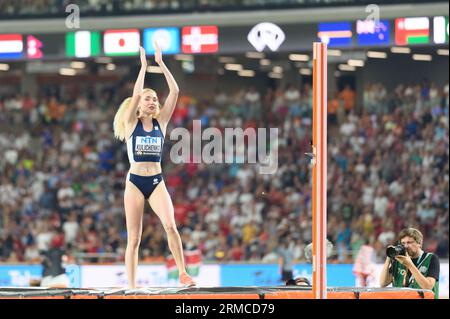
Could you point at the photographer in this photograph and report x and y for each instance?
(407, 265)
(53, 264)
(285, 260)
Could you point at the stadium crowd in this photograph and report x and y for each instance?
(63, 173)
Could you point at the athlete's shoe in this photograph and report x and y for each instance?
(187, 281)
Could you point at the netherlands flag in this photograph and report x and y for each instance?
(11, 46)
(335, 34)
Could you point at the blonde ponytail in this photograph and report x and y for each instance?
(119, 121)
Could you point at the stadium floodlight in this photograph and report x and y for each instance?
(226, 59)
(110, 66)
(255, 55)
(422, 57)
(77, 65)
(332, 52)
(233, 67)
(376, 55)
(305, 71)
(184, 57)
(246, 73)
(274, 75)
(264, 62)
(401, 50)
(353, 62)
(103, 59)
(67, 71)
(346, 67)
(154, 69)
(277, 69)
(299, 57)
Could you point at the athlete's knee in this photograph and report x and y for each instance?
(133, 242)
(170, 228)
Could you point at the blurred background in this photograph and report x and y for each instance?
(66, 66)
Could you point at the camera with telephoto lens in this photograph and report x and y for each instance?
(393, 251)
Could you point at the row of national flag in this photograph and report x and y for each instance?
(408, 31)
(205, 39)
(124, 42)
(11, 46)
(194, 39)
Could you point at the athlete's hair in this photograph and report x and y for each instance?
(119, 121)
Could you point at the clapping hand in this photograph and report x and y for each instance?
(158, 53)
(143, 57)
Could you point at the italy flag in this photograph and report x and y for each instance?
(440, 30)
(82, 44)
(121, 42)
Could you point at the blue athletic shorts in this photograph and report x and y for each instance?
(146, 184)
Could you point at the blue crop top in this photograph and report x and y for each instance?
(143, 146)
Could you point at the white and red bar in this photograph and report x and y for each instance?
(319, 193)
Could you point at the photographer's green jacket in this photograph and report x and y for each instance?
(403, 278)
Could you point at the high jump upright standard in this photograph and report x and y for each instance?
(319, 191)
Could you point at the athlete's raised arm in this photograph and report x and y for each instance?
(130, 113)
(171, 100)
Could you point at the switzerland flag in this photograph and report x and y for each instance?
(201, 39)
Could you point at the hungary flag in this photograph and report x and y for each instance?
(121, 42)
(412, 31)
(82, 44)
(192, 259)
(172, 270)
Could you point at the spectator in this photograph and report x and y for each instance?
(349, 98)
(387, 170)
